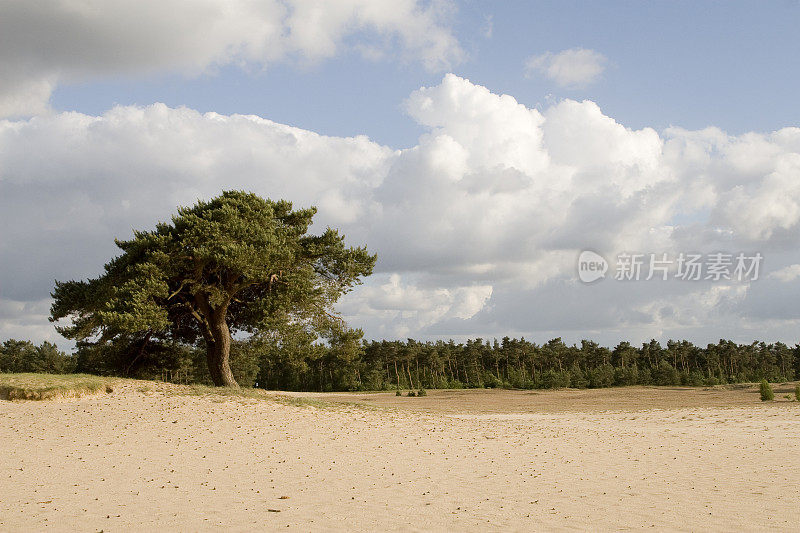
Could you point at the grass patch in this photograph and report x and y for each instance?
(298, 401)
(50, 386)
(228, 392)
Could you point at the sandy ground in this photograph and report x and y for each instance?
(474, 460)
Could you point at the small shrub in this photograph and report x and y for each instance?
(797, 393)
(626, 376)
(696, 379)
(766, 391)
(602, 376)
(422, 392)
(553, 379)
(411, 393)
(492, 382)
(666, 375)
(577, 379)
(398, 393)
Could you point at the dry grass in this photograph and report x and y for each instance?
(227, 393)
(636, 398)
(246, 395)
(51, 386)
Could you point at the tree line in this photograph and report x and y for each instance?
(298, 361)
(184, 296)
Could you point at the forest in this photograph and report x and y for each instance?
(348, 363)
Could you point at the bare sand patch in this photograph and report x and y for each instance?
(147, 457)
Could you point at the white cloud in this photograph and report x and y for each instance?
(576, 67)
(786, 274)
(477, 227)
(46, 43)
(396, 308)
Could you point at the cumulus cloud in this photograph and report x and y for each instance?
(576, 67)
(477, 227)
(394, 308)
(46, 43)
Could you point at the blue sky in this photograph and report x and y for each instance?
(476, 147)
(691, 64)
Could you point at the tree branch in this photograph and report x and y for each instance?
(171, 296)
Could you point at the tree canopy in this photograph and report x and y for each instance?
(236, 263)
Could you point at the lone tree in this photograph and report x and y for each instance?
(236, 263)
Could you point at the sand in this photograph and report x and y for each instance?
(474, 460)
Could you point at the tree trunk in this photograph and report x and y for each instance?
(213, 367)
(410, 379)
(219, 352)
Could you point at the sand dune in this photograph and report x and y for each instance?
(144, 461)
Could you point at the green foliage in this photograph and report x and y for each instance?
(245, 360)
(398, 393)
(695, 379)
(237, 263)
(797, 393)
(645, 376)
(24, 356)
(628, 375)
(665, 374)
(422, 392)
(602, 376)
(577, 378)
(765, 390)
(137, 357)
(411, 393)
(555, 379)
(294, 360)
(514, 364)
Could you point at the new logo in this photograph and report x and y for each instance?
(591, 266)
